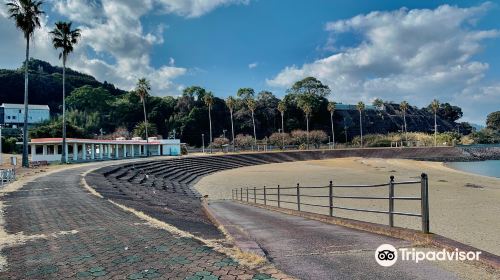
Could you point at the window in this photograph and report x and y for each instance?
(19, 111)
(8, 117)
(13, 117)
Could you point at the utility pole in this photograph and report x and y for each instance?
(203, 142)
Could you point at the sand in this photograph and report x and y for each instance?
(463, 206)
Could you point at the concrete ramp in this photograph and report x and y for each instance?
(309, 249)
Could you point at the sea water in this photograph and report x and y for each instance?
(486, 168)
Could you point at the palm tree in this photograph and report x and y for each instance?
(282, 109)
(26, 14)
(331, 109)
(435, 107)
(252, 105)
(361, 107)
(64, 38)
(404, 107)
(231, 102)
(306, 107)
(208, 98)
(142, 89)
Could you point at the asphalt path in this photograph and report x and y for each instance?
(309, 249)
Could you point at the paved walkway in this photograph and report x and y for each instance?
(309, 249)
(77, 235)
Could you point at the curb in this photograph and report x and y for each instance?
(487, 258)
(239, 238)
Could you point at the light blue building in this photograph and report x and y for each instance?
(13, 114)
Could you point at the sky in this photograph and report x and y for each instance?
(394, 50)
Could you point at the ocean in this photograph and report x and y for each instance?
(487, 168)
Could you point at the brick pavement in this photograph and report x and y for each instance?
(86, 237)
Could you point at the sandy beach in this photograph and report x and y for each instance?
(463, 206)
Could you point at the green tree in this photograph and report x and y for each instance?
(378, 103)
(144, 129)
(493, 121)
(361, 107)
(64, 38)
(90, 99)
(282, 109)
(311, 86)
(246, 93)
(209, 101)
(435, 107)
(231, 103)
(251, 106)
(26, 14)
(331, 109)
(142, 89)
(404, 107)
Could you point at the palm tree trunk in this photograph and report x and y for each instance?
(406, 131)
(63, 153)
(361, 128)
(254, 133)
(307, 126)
(333, 132)
(282, 130)
(435, 130)
(232, 129)
(25, 126)
(145, 125)
(210, 124)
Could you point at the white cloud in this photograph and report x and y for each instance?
(405, 54)
(253, 65)
(195, 8)
(113, 30)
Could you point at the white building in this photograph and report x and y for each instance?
(78, 150)
(13, 114)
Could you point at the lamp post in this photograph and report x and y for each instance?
(203, 143)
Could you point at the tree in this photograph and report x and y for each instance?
(331, 109)
(90, 99)
(144, 129)
(404, 107)
(142, 89)
(245, 93)
(311, 86)
(361, 107)
(493, 121)
(26, 14)
(282, 109)
(209, 102)
(231, 102)
(64, 38)
(251, 106)
(379, 103)
(306, 107)
(435, 107)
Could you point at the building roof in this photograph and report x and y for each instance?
(89, 141)
(21, 106)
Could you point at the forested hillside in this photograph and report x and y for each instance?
(97, 108)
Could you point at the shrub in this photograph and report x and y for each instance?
(299, 137)
(277, 139)
(219, 142)
(317, 137)
(243, 140)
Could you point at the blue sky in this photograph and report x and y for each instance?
(395, 50)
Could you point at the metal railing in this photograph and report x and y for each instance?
(7, 176)
(274, 194)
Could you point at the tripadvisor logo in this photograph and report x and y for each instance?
(387, 255)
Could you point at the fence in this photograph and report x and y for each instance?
(275, 194)
(7, 176)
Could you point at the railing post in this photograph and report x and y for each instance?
(247, 194)
(236, 193)
(255, 195)
(232, 194)
(241, 194)
(279, 205)
(424, 194)
(265, 198)
(298, 197)
(330, 196)
(391, 201)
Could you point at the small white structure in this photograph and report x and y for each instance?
(77, 150)
(13, 114)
